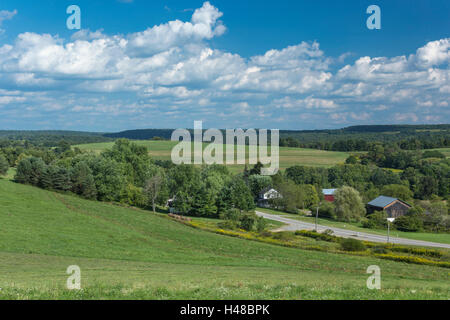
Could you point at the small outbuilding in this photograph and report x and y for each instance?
(329, 194)
(171, 206)
(394, 207)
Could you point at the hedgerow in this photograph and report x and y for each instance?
(317, 235)
(412, 259)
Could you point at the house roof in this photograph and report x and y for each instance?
(265, 190)
(382, 201)
(328, 192)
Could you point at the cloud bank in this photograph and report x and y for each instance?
(169, 75)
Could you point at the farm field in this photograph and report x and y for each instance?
(424, 236)
(132, 253)
(161, 150)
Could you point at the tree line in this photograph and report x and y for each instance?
(350, 143)
(126, 174)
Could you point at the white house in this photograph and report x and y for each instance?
(266, 195)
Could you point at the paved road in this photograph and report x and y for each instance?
(293, 225)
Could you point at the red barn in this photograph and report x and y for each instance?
(329, 194)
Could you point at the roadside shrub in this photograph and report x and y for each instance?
(376, 220)
(261, 224)
(380, 250)
(231, 214)
(416, 260)
(325, 236)
(228, 224)
(418, 251)
(248, 221)
(351, 244)
(327, 210)
(266, 234)
(409, 223)
(292, 210)
(284, 235)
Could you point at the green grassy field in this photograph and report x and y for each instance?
(161, 150)
(355, 226)
(130, 253)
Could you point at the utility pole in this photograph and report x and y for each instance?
(317, 214)
(389, 220)
(388, 232)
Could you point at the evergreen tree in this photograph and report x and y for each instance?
(47, 181)
(61, 179)
(83, 181)
(37, 170)
(30, 171)
(23, 172)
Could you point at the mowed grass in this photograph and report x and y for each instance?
(161, 150)
(357, 227)
(127, 253)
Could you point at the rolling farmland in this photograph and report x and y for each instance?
(161, 150)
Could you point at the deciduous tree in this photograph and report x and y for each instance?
(349, 206)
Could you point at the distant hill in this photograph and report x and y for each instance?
(146, 134)
(50, 138)
(142, 134)
(431, 136)
(398, 128)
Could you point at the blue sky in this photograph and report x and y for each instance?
(266, 64)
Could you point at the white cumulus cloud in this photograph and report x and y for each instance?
(173, 70)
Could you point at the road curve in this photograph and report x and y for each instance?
(293, 225)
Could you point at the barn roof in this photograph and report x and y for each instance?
(328, 192)
(383, 201)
